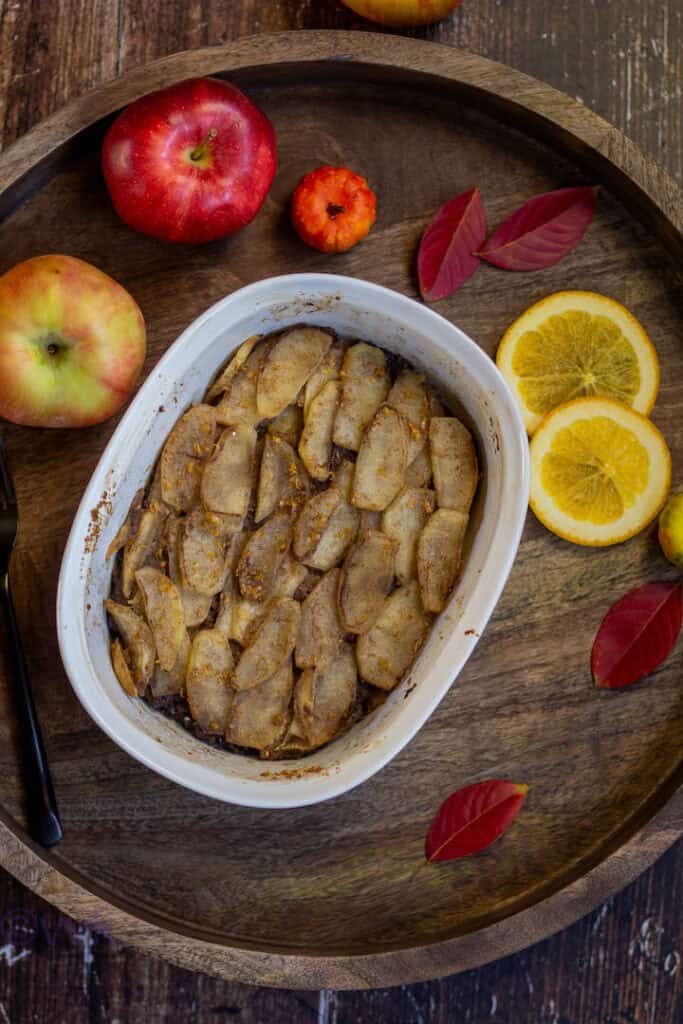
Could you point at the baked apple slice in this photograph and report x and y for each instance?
(419, 471)
(209, 671)
(342, 478)
(382, 461)
(320, 631)
(222, 382)
(272, 642)
(223, 527)
(272, 478)
(121, 669)
(339, 530)
(195, 606)
(244, 619)
(229, 594)
(238, 406)
(291, 360)
(127, 527)
(288, 425)
(315, 446)
(313, 520)
(143, 545)
(283, 480)
(365, 385)
(120, 538)
(439, 556)
(335, 540)
(408, 396)
(202, 555)
(262, 556)
(228, 474)
(259, 716)
(386, 652)
(164, 613)
(329, 369)
(138, 641)
(323, 697)
(289, 578)
(404, 521)
(188, 444)
(454, 461)
(365, 581)
(246, 615)
(169, 682)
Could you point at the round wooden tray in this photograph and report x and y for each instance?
(339, 895)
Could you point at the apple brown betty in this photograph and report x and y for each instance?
(303, 528)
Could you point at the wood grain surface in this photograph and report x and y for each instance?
(647, 944)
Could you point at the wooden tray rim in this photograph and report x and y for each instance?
(658, 202)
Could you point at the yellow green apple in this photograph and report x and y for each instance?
(671, 529)
(402, 13)
(72, 343)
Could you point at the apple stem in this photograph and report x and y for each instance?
(200, 151)
(52, 349)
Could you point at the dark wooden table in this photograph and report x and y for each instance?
(622, 964)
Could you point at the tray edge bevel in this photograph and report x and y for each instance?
(659, 204)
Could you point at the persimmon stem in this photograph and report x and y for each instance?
(200, 151)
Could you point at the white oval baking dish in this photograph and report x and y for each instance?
(353, 308)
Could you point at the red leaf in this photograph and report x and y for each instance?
(543, 231)
(637, 634)
(445, 259)
(472, 818)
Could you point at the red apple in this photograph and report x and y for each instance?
(72, 343)
(190, 163)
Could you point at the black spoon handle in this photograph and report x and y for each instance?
(43, 817)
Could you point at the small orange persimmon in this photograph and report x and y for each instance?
(333, 208)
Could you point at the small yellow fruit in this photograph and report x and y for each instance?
(671, 529)
(600, 472)
(403, 13)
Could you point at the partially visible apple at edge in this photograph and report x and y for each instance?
(72, 343)
(403, 13)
